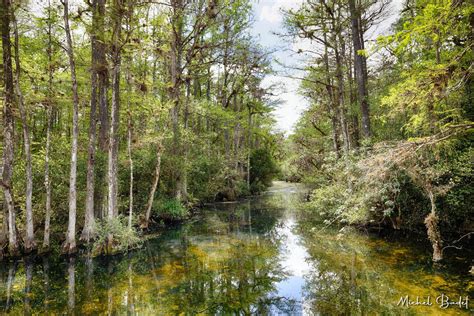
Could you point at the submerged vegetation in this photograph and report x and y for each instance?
(388, 137)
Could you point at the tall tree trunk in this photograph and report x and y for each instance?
(175, 91)
(88, 230)
(339, 56)
(154, 186)
(49, 117)
(112, 169)
(185, 145)
(129, 145)
(340, 93)
(103, 75)
(69, 245)
(100, 200)
(8, 127)
(249, 145)
(359, 67)
(30, 243)
(331, 104)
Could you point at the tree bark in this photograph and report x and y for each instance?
(129, 145)
(154, 186)
(360, 68)
(69, 245)
(88, 230)
(432, 228)
(340, 99)
(100, 201)
(331, 110)
(175, 91)
(49, 118)
(8, 127)
(30, 243)
(103, 76)
(112, 169)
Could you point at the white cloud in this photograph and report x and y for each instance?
(272, 13)
(292, 104)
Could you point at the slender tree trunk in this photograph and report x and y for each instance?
(154, 186)
(47, 181)
(100, 201)
(129, 145)
(30, 243)
(175, 91)
(331, 110)
(8, 127)
(103, 76)
(70, 243)
(112, 169)
(249, 145)
(360, 69)
(185, 145)
(88, 230)
(340, 100)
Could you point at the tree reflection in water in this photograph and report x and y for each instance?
(251, 257)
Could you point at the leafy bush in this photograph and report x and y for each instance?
(371, 188)
(124, 237)
(263, 170)
(170, 209)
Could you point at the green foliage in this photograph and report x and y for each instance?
(124, 237)
(434, 58)
(170, 210)
(263, 170)
(388, 185)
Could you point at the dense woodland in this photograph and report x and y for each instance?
(387, 139)
(122, 115)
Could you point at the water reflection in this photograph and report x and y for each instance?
(253, 257)
(356, 274)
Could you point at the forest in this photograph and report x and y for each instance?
(387, 138)
(144, 171)
(120, 114)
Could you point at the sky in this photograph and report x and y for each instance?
(269, 20)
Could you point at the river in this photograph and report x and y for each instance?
(254, 257)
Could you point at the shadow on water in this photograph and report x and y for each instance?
(252, 257)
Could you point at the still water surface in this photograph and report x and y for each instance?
(256, 257)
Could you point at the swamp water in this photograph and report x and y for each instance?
(255, 257)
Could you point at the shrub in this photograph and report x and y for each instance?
(124, 237)
(263, 170)
(170, 209)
